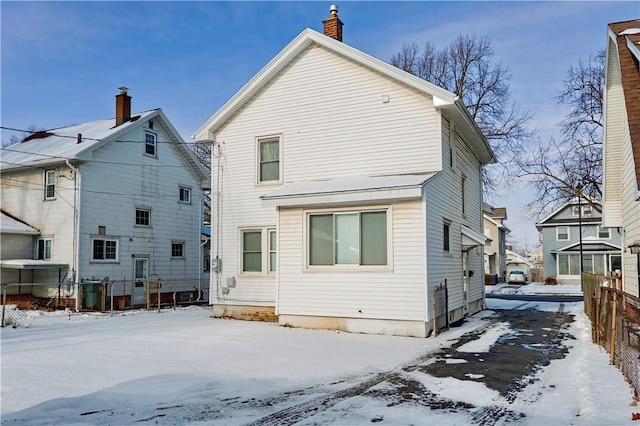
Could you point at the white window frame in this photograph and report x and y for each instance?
(184, 194)
(259, 141)
(348, 267)
(142, 225)
(265, 251)
(104, 240)
(463, 188)
(446, 236)
(50, 174)
(183, 247)
(44, 241)
(575, 256)
(599, 229)
(150, 143)
(558, 233)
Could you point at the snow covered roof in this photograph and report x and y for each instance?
(57, 145)
(12, 225)
(442, 99)
(348, 189)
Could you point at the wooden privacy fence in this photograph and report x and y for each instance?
(615, 323)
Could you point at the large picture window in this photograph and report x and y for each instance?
(350, 238)
(269, 159)
(104, 249)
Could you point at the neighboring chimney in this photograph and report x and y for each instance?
(333, 24)
(123, 106)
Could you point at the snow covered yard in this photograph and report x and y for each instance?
(183, 367)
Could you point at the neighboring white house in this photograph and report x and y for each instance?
(344, 191)
(495, 248)
(573, 228)
(621, 151)
(116, 198)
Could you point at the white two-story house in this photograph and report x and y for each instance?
(116, 199)
(621, 149)
(345, 190)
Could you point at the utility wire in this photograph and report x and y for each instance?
(50, 133)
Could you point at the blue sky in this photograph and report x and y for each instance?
(62, 62)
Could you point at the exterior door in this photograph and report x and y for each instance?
(140, 276)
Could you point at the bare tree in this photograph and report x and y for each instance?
(465, 67)
(561, 169)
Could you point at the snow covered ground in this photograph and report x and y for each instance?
(183, 367)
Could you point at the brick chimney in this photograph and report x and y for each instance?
(123, 106)
(333, 24)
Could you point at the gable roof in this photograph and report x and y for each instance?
(573, 202)
(54, 146)
(626, 35)
(442, 99)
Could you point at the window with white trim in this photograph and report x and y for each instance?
(258, 250)
(177, 249)
(150, 142)
(446, 236)
(357, 238)
(464, 195)
(568, 264)
(104, 249)
(49, 184)
(272, 251)
(562, 233)
(604, 233)
(184, 195)
(44, 248)
(268, 159)
(143, 217)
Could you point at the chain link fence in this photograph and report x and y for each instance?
(615, 322)
(43, 304)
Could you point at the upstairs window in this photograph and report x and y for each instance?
(44, 249)
(185, 195)
(562, 233)
(269, 159)
(143, 217)
(177, 250)
(49, 184)
(604, 233)
(150, 144)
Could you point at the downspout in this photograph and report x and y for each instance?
(200, 222)
(76, 231)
